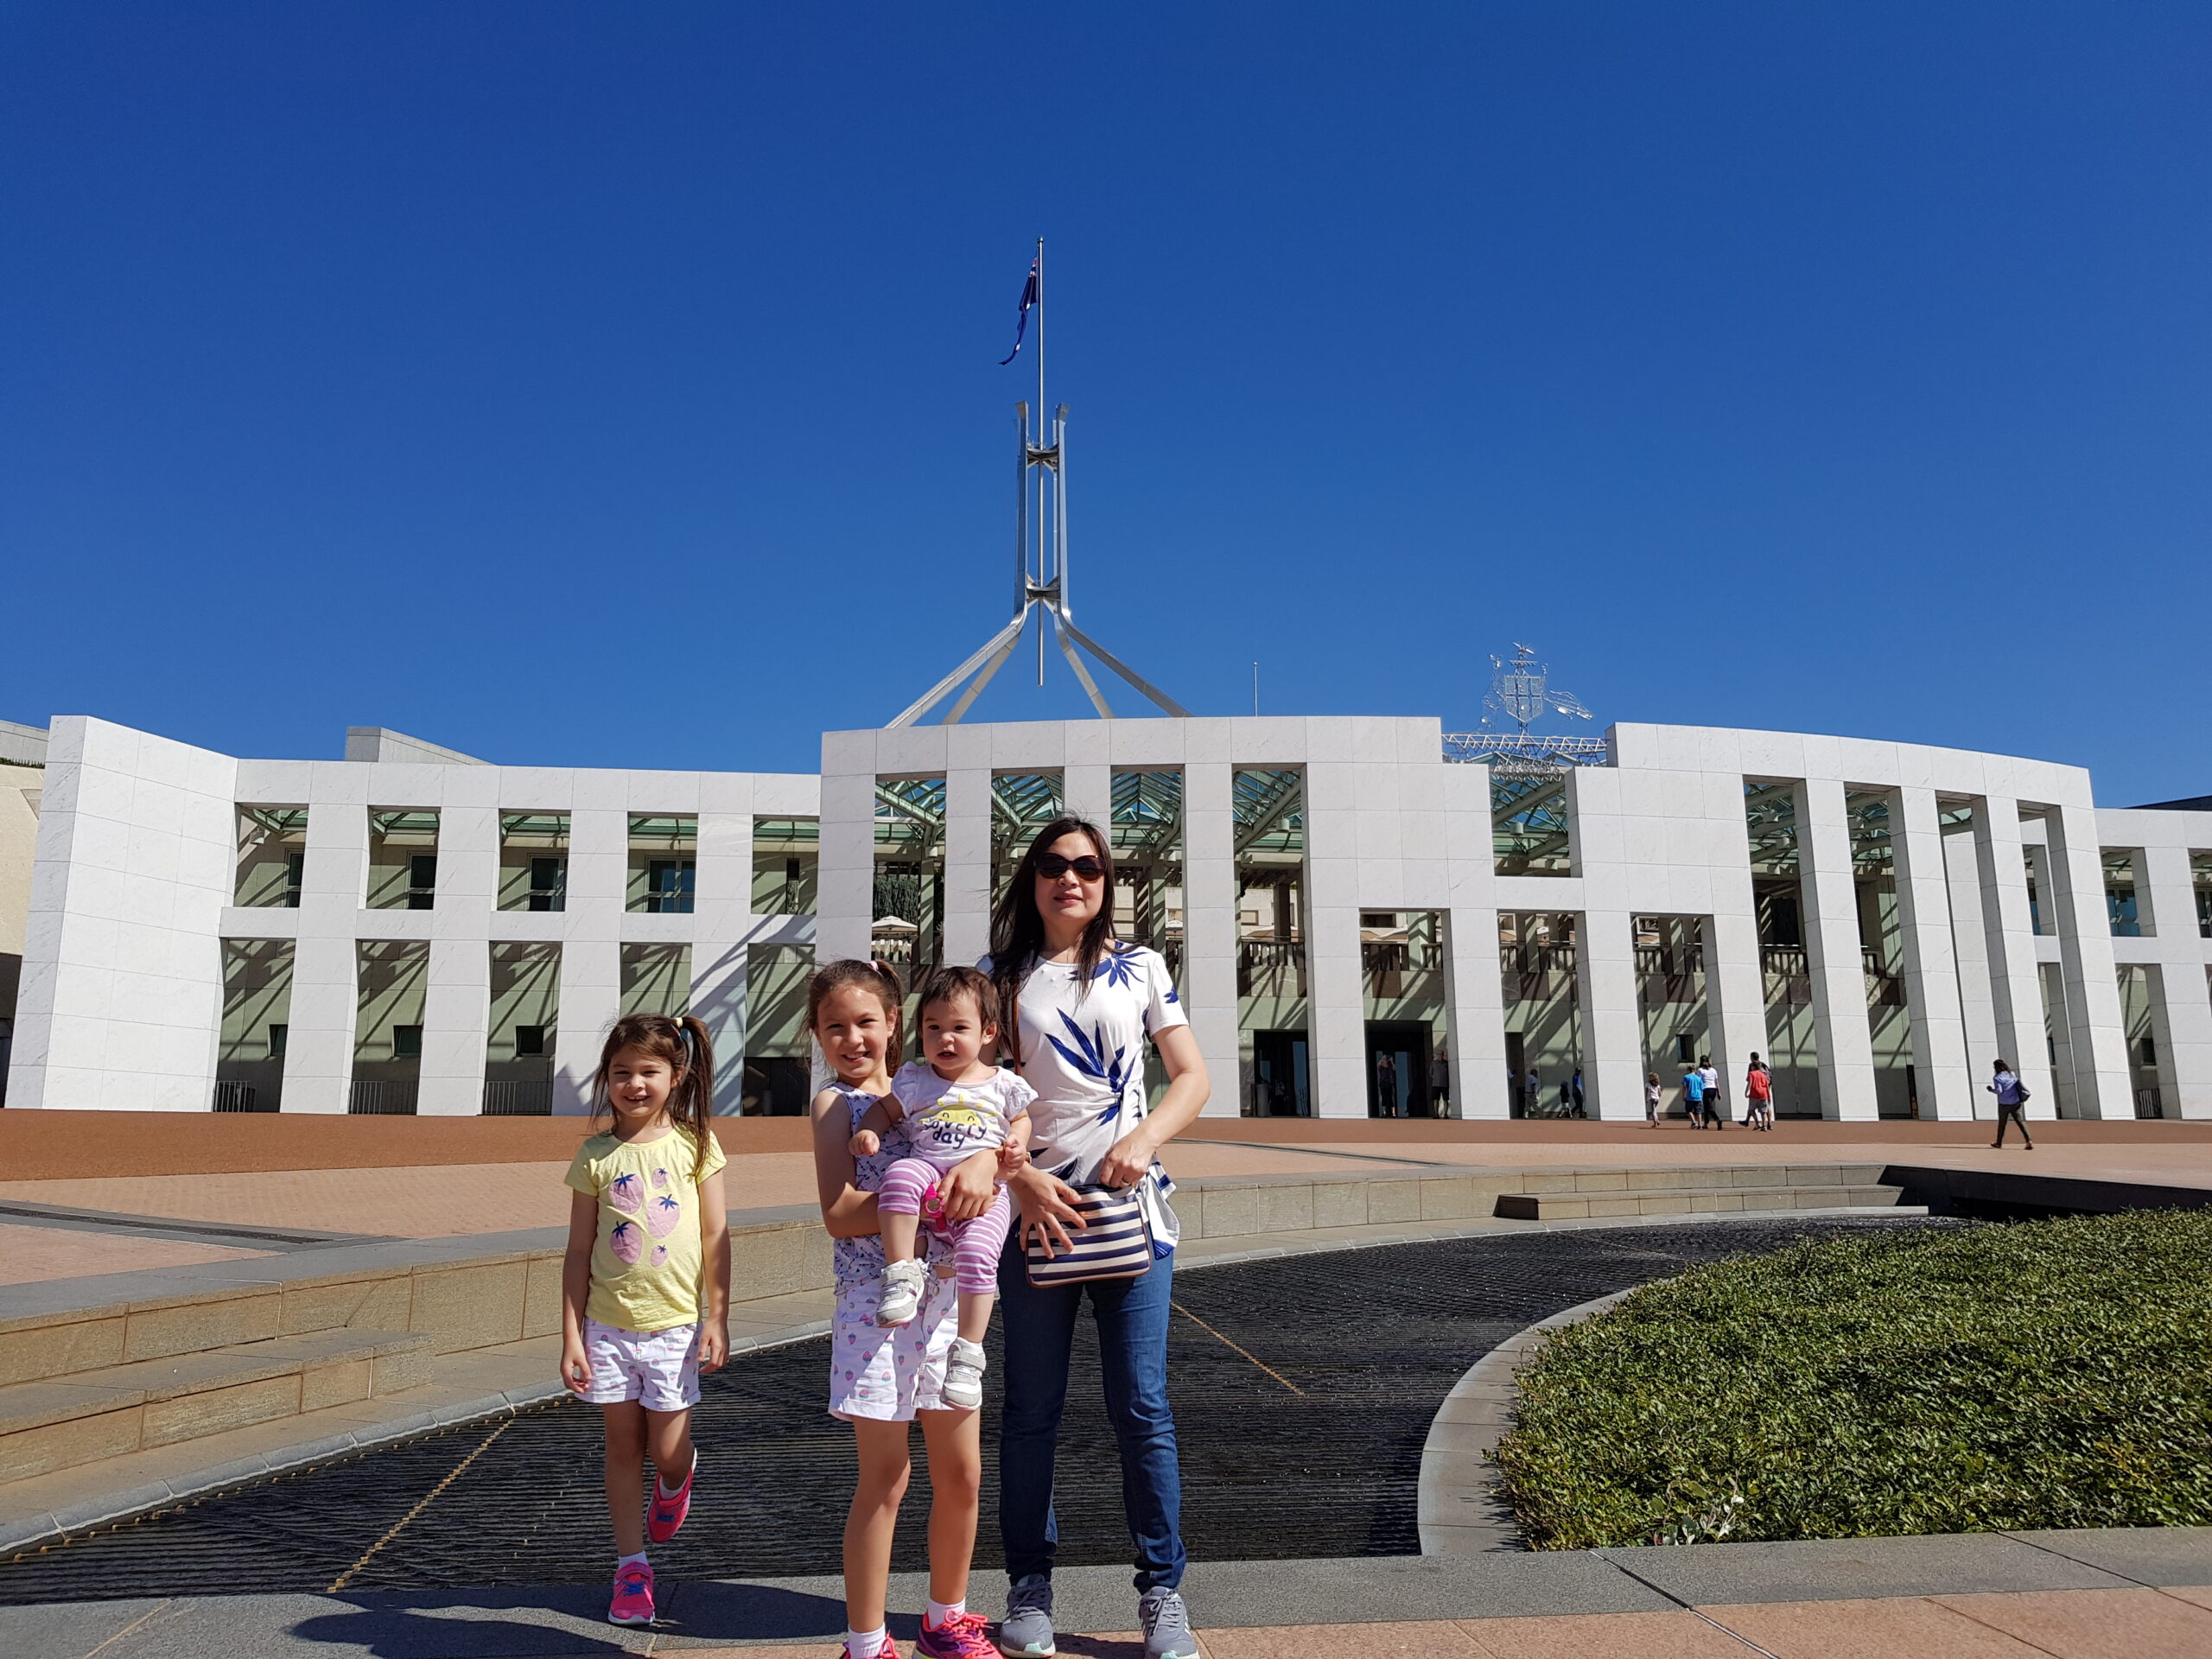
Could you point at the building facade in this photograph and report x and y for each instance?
(1358, 924)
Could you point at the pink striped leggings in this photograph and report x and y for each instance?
(909, 1189)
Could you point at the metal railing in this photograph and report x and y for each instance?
(383, 1098)
(1536, 958)
(509, 1099)
(1264, 967)
(1669, 961)
(238, 1098)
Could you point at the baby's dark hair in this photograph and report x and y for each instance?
(683, 1042)
(875, 976)
(947, 984)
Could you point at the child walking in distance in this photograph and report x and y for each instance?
(956, 1105)
(1651, 1098)
(883, 1377)
(644, 1291)
(1758, 1095)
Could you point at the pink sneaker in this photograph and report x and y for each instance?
(665, 1516)
(960, 1636)
(633, 1596)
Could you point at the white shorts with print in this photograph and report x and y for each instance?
(658, 1369)
(891, 1374)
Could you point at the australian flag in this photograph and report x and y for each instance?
(1021, 316)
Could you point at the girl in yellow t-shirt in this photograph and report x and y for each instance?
(644, 1291)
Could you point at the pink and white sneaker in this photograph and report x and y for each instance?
(633, 1596)
(664, 1515)
(961, 1636)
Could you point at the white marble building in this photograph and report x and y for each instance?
(1881, 918)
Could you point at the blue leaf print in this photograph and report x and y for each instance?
(1119, 967)
(1088, 1057)
(1171, 996)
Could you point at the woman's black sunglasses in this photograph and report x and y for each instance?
(1053, 866)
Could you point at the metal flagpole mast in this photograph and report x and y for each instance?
(1041, 583)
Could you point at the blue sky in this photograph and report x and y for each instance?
(619, 385)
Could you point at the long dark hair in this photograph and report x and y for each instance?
(682, 1042)
(1018, 927)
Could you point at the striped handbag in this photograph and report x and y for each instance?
(1115, 1244)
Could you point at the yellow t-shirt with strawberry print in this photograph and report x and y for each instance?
(646, 1265)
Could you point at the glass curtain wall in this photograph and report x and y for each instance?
(1022, 803)
(2200, 874)
(1543, 1014)
(1531, 833)
(664, 863)
(1674, 1005)
(2140, 990)
(1771, 817)
(403, 859)
(1147, 829)
(777, 1046)
(1274, 1066)
(786, 866)
(2123, 910)
(1401, 973)
(257, 1016)
(518, 1039)
(272, 856)
(1881, 944)
(657, 979)
(533, 861)
(909, 899)
(391, 978)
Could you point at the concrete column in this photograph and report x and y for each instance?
(1829, 905)
(848, 874)
(456, 1009)
(2184, 996)
(1735, 990)
(1931, 974)
(1970, 949)
(2015, 977)
(1612, 1039)
(718, 984)
(2099, 1038)
(319, 1048)
(591, 1000)
(1472, 991)
(1087, 791)
(1209, 983)
(967, 864)
(1336, 999)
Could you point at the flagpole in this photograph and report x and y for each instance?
(1043, 575)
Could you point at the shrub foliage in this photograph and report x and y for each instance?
(2043, 1374)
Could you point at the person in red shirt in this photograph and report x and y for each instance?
(1758, 1095)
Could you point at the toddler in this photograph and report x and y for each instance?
(954, 1107)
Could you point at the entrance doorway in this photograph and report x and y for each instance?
(1279, 1088)
(1397, 1070)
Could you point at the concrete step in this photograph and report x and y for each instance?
(1683, 1201)
(57, 1423)
(1696, 1177)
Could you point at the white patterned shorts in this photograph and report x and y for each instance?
(889, 1374)
(658, 1368)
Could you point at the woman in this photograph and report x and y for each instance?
(1085, 1006)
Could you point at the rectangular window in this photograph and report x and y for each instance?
(403, 859)
(787, 862)
(407, 1042)
(529, 1042)
(278, 1036)
(523, 1028)
(392, 981)
(663, 850)
(272, 856)
(2200, 875)
(533, 861)
(2124, 909)
(907, 897)
(1268, 840)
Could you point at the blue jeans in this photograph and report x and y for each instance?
(1132, 1317)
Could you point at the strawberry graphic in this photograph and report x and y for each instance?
(660, 1255)
(626, 1193)
(660, 1180)
(626, 1241)
(662, 1215)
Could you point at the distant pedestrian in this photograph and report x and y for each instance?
(1758, 1095)
(2012, 1097)
(1440, 1085)
(1694, 1097)
(1651, 1098)
(1532, 1095)
(1578, 1112)
(1716, 1103)
(1386, 1086)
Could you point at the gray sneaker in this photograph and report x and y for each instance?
(1026, 1632)
(1166, 1626)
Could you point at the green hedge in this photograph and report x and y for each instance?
(2044, 1374)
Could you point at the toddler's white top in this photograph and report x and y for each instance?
(947, 1122)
